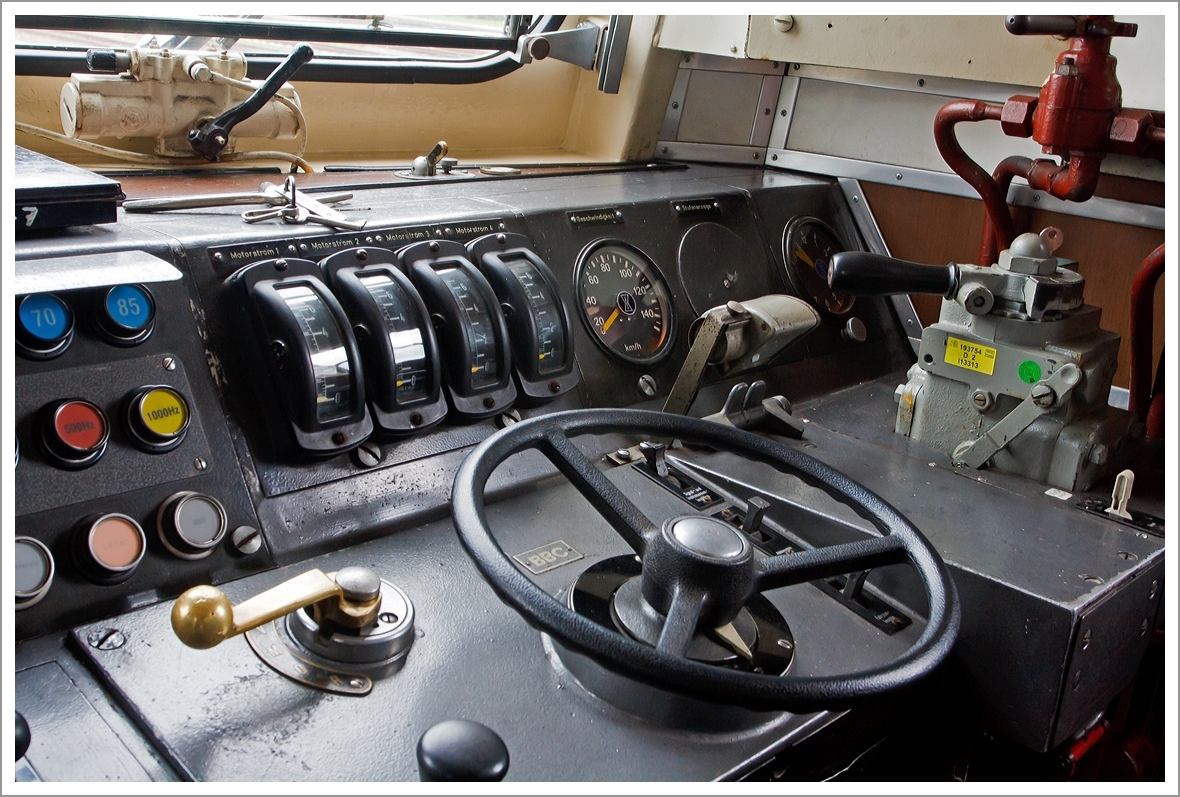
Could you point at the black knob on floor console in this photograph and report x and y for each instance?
(461, 750)
(866, 274)
(23, 736)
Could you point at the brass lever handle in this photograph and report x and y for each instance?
(203, 616)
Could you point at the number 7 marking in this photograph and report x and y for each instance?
(30, 215)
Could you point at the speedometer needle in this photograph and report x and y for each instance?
(799, 253)
(610, 320)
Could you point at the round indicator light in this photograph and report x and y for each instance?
(157, 418)
(127, 315)
(33, 571)
(74, 433)
(107, 548)
(191, 524)
(45, 326)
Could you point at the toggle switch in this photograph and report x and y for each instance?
(654, 453)
(752, 521)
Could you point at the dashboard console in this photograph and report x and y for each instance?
(203, 401)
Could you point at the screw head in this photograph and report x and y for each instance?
(647, 385)
(1043, 395)
(169, 364)
(368, 454)
(218, 257)
(200, 464)
(246, 540)
(109, 639)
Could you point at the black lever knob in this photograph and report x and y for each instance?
(866, 274)
(461, 750)
(23, 736)
(211, 137)
(657, 463)
(1041, 25)
(755, 508)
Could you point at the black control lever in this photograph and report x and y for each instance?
(211, 137)
(866, 274)
(1023, 25)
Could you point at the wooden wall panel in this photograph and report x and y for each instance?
(935, 228)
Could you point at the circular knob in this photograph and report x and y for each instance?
(461, 750)
(44, 326)
(33, 572)
(710, 538)
(191, 524)
(127, 315)
(23, 736)
(107, 548)
(157, 418)
(203, 617)
(74, 433)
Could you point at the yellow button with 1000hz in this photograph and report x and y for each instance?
(157, 418)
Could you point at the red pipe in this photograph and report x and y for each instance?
(948, 146)
(1074, 180)
(1155, 412)
(1005, 171)
(1142, 323)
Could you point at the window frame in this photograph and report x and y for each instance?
(57, 61)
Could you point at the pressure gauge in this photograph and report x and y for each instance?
(471, 330)
(395, 338)
(538, 323)
(305, 339)
(808, 247)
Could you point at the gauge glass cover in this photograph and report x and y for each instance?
(405, 337)
(625, 303)
(547, 317)
(808, 247)
(329, 358)
(477, 327)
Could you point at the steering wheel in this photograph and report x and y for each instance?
(698, 570)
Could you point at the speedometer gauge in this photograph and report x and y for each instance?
(624, 302)
(808, 246)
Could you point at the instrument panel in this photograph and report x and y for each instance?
(272, 398)
(342, 355)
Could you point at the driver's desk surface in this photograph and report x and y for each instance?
(222, 714)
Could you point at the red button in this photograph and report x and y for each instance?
(80, 425)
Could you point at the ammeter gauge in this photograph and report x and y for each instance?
(808, 247)
(624, 302)
(538, 323)
(395, 337)
(477, 362)
(305, 338)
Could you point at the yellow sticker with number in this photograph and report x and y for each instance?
(971, 356)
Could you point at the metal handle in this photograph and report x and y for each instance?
(203, 617)
(1025, 25)
(211, 137)
(866, 274)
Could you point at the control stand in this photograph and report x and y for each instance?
(1016, 374)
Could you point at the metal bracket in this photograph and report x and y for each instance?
(1044, 397)
(587, 46)
(578, 46)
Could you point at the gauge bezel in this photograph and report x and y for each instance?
(491, 255)
(345, 270)
(288, 361)
(666, 347)
(791, 267)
